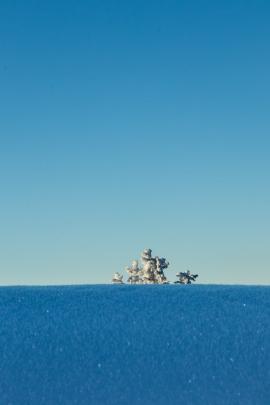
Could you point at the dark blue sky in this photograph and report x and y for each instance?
(127, 125)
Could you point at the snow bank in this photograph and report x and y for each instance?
(135, 345)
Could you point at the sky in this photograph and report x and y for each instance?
(130, 125)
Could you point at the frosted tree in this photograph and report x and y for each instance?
(153, 268)
(134, 272)
(186, 277)
(148, 269)
(161, 265)
(151, 272)
(117, 278)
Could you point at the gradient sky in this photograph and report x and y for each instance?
(126, 125)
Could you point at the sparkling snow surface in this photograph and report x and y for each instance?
(205, 345)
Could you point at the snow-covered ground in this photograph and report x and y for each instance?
(205, 345)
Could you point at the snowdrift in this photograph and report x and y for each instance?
(135, 345)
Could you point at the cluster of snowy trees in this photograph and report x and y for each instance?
(151, 271)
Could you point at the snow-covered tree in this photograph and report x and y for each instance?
(134, 272)
(153, 268)
(117, 278)
(152, 271)
(185, 277)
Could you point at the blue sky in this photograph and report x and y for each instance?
(127, 125)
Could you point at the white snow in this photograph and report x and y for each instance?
(129, 345)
